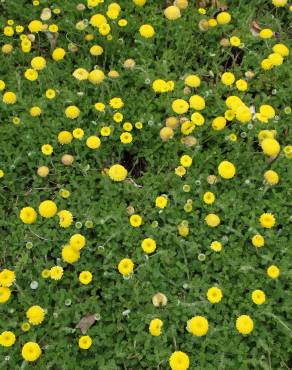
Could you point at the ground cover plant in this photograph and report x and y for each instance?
(145, 185)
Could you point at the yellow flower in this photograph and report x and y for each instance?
(197, 119)
(35, 315)
(193, 81)
(9, 97)
(244, 324)
(77, 241)
(28, 215)
(212, 220)
(58, 54)
(209, 197)
(198, 326)
(70, 254)
(126, 138)
(223, 18)
(172, 12)
(267, 111)
(38, 63)
(161, 201)
(47, 149)
(46, 273)
(139, 2)
(180, 106)
(216, 246)
(179, 361)
(267, 220)
(97, 20)
(50, 93)
(93, 142)
(78, 133)
(241, 85)
(56, 272)
(85, 277)
(96, 50)
(271, 177)
(218, 123)
(2, 174)
(186, 160)
(258, 241)
(35, 111)
(116, 103)
(214, 295)
(288, 151)
(85, 342)
(147, 31)
(5, 294)
(270, 147)
(99, 106)
(281, 49)
(273, 272)
(279, 3)
(197, 102)
(258, 297)
(31, 74)
(155, 327)
(72, 112)
(31, 351)
(148, 245)
(235, 41)
(96, 76)
(66, 218)
(126, 266)
(7, 338)
(7, 278)
(117, 172)
(136, 220)
(266, 33)
(118, 117)
(266, 64)
(80, 74)
(226, 170)
(180, 171)
(228, 78)
(48, 209)
(276, 59)
(35, 26)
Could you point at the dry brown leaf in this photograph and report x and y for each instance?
(85, 323)
(255, 29)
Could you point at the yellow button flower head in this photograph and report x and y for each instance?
(161, 201)
(7, 339)
(80, 74)
(212, 220)
(266, 33)
(172, 12)
(96, 76)
(273, 272)
(85, 342)
(136, 220)
(186, 160)
(209, 197)
(35, 315)
(258, 297)
(9, 97)
(214, 295)
(228, 78)
(276, 59)
(271, 177)
(5, 294)
(281, 49)
(70, 254)
(147, 31)
(197, 102)
(31, 351)
(139, 2)
(218, 123)
(148, 245)
(180, 106)
(267, 220)
(117, 172)
(66, 218)
(193, 81)
(48, 209)
(226, 170)
(258, 241)
(85, 277)
(28, 215)
(93, 142)
(216, 246)
(279, 3)
(126, 266)
(181, 4)
(38, 63)
(198, 326)
(97, 20)
(244, 324)
(179, 361)
(155, 327)
(72, 112)
(77, 241)
(223, 18)
(7, 278)
(35, 26)
(56, 272)
(270, 147)
(58, 54)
